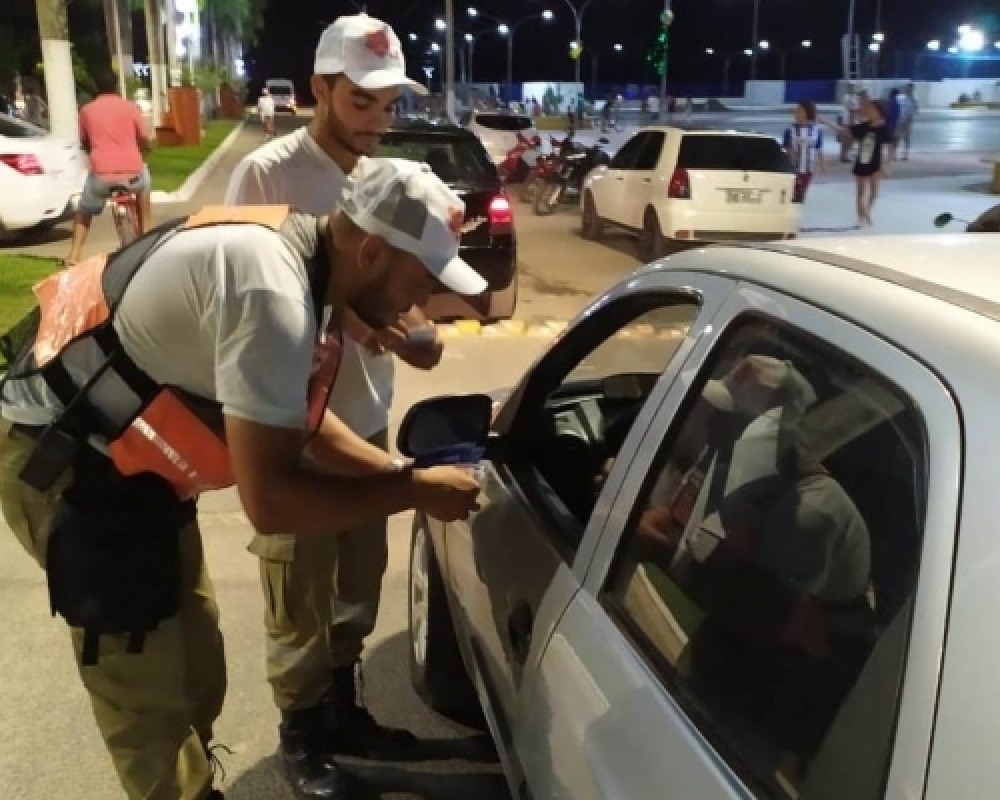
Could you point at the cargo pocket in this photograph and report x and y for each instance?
(277, 554)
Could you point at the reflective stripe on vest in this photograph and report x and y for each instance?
(166, 437)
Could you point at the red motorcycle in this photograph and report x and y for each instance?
(520, 158)
(543, 170)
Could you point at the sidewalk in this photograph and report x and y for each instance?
(55, 243)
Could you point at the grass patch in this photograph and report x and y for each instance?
(171, 166)
(17, 275)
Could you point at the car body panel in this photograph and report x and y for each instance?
(29, 200)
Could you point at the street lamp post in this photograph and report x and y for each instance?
(756, 38)
(578, 21)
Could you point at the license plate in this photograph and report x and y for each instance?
(753, 196)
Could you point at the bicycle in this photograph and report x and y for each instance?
(126, 214)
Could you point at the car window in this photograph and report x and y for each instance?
(503, 122)
(728, 152)
(19, 130)
(465, 119)
(582, 400)
(649, 156)
(629, 152)
(770, 564)
(454, 159)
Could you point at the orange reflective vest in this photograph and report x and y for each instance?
(171, 433)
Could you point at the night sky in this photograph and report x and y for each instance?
(292, 27)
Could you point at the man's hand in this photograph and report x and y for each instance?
(446, 493)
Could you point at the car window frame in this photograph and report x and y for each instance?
(709, 293)
(925, 647)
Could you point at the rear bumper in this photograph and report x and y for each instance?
(31, 208)
(497, 263)
(729, 226)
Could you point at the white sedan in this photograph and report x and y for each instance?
(41, 176)
(737, 536)
(674, 187)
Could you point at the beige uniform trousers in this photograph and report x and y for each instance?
(154, 709)
(321, 596)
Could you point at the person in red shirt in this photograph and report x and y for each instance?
(113, 132)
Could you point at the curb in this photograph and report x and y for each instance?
(544, 329)
(198, 177)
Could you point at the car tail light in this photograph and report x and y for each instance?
(680, 185)
(501, 216)
(25, 163)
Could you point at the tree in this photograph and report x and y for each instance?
(53, 29)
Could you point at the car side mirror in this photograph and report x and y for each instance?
(943, 219)
(451, 429)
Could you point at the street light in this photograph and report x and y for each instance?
(874, 47)
(618, 47)
(934, 45)
(709, 51)
(806, 43)
(878, 37)
(440, 24)
(578, 22)
(413, 37)
(748, 52)
(953, 50)
(764, 45)
(503, 30)
(972, 40)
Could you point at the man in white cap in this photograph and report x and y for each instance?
(210, 367)
(328, 592)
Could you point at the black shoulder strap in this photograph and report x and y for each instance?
(318, 268)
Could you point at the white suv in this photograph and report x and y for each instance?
(675, 186)
(498, 130)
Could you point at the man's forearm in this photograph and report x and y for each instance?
(336, 448)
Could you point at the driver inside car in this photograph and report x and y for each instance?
(754, 530)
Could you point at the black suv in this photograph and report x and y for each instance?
(489, 243)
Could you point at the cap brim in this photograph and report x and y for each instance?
(460, 278)
(386, 79)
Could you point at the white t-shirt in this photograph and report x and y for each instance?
(224, 312)
(265, 106)
(293, 169)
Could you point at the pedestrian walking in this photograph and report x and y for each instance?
(265, 109)
(323, 593)
(893, 112)
(873, 137)
(201, 357)
(908, 109)
(803, 141)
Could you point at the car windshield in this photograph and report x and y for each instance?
(19, 129)
(727, 152)
(503, 122)
(454, 159)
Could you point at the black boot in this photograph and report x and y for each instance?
(354, 731)
(306, 759)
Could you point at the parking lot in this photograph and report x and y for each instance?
(49, 746)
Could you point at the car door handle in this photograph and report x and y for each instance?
(520, 624)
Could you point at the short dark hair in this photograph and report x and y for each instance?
(106, 80)
(809, 107)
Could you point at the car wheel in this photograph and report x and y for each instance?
(593, 225)
(436, 668)
(650, 238)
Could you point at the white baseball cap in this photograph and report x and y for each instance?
(367, 51)
(406, 204)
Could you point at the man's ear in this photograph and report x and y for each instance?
(372, 252)
(320, 88)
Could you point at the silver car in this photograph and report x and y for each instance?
(738, 535)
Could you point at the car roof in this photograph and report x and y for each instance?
(437, 126)
(958, 268)
(697, 130)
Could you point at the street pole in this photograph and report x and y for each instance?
(116, 41)
(663, 75)
(594, 76)
(756, 39)
(510, 64)
(725, 77)
(471, 56)
(449, 81)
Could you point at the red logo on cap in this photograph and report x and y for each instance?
(378, 42)
(456, 218)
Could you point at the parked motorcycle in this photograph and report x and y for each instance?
(543, 169)
(987, 222)
(572, 167)
(520, 159)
